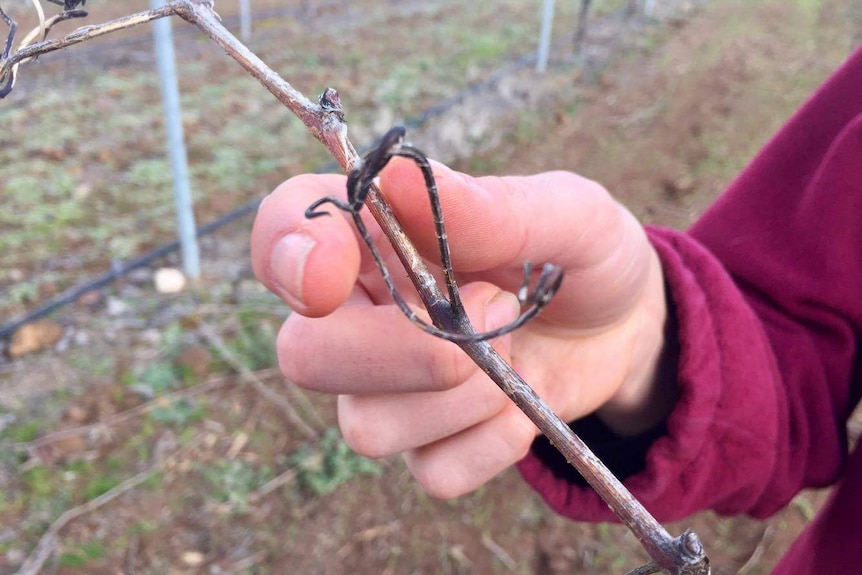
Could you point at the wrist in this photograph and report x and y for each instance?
(649, 390)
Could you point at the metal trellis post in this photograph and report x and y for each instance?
(545, 37)
(245, 20)
(649, 7)
(164, 42)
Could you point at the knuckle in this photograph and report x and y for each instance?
(294, 358)
(521, 435)
(436, 479)
(448, 366)
(361, 436)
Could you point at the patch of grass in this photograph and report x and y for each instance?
(99, 485)
(83, 553)
(325, 467)
(93, 365)
(150, 173)
(23, 432)
(39, 482)
(139, 443)
(154, 482)
(234, 480)
(158, 377)
(21, 292)
(254, 343)
(485, 46)
(142, 527)
(810, 6)
(163, 375)
(178, 412)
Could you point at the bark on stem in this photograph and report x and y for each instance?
(83, 34)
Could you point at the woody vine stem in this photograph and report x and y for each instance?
(683, 555)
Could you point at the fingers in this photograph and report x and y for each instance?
(366, 349)
(386, 424)
(495, 225)
(311, 264)
(498, 221)
(461, 463)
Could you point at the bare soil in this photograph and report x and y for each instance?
(664, 123)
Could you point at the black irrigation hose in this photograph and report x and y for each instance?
(122, 269)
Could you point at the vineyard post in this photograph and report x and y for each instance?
(164, 43)
(545, 36)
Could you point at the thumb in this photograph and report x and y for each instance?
(311, 264)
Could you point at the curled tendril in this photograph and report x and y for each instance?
(359, 182)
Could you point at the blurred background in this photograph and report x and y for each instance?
(147, 430)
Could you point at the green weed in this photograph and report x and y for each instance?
(151, 174)
(159, 377)
(234, 480)
(142, 527)
(99, 366)
(325, 467)
(23, 432)
(99, 485)
(178, 412)
(254, 342)
(39, 482)
(83, 554)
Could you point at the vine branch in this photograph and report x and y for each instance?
(683, 555)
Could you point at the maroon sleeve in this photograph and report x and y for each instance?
(767, 293)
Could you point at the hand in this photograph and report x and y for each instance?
(595, 347)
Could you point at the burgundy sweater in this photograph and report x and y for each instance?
(766, 289)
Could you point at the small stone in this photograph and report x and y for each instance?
(81, 338)
(34, 336)
(63, 345)
(193, 558)
(82, 192)
(15, 556)
(116, 306)
(150, 336)
(169, 280)
(6, 419)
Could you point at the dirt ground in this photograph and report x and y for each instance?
(219, 467)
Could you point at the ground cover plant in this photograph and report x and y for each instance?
(463, 535)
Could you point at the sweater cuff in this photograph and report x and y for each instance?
(624, 456)
(659, 465)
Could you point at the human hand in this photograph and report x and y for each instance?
(595, 347)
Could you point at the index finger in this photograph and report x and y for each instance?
(497, 224)
(505, 221)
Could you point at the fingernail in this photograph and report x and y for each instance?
(288, 264)
(501, 309)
